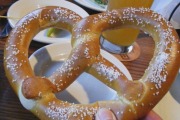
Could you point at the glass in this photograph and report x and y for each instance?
(121, 40)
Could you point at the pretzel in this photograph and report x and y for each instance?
(134, 98)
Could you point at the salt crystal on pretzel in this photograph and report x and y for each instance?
(134, 98)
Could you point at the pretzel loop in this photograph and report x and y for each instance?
(134, 98)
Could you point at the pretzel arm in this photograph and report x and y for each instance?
(16, 61)
(77, 62)
(160, 74)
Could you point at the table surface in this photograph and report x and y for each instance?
(10, 107)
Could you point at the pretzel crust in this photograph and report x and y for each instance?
(134, 98)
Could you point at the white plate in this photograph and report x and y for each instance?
(22, 7)
(169, 107)
(47, 59)
(91, 5)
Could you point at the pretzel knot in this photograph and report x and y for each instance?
(134, 98)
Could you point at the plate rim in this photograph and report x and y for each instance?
(90, 6)
(123, 69)
(39, 37)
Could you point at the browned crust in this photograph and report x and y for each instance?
(135, 98)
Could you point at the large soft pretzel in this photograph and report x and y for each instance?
(134, 98)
